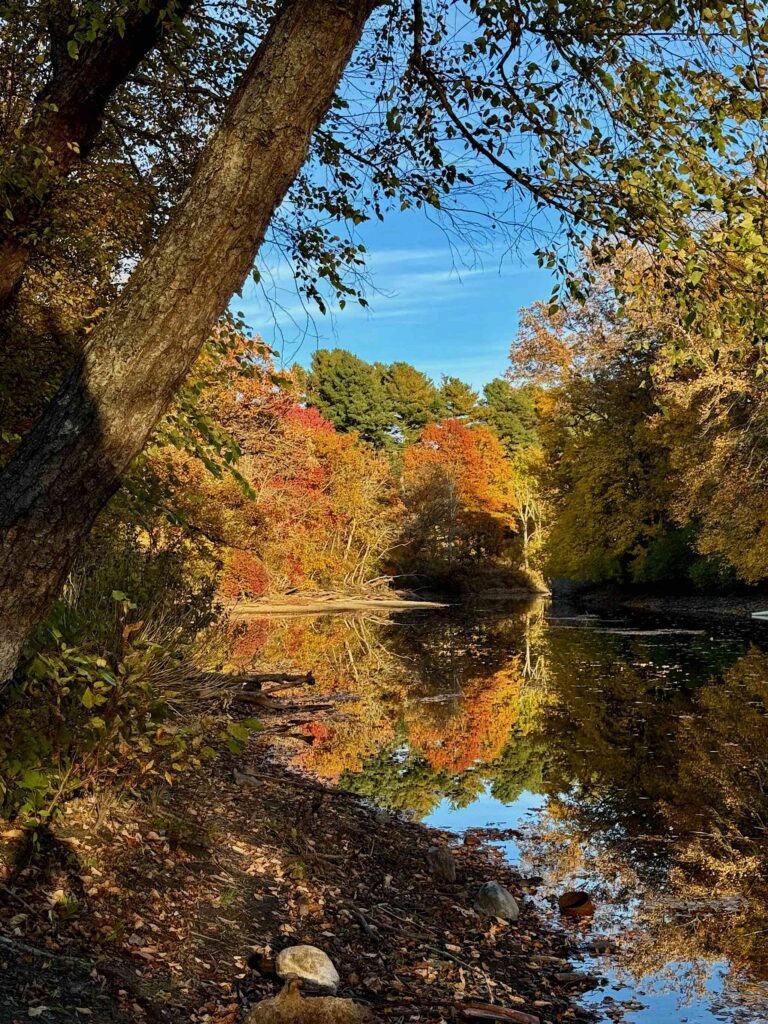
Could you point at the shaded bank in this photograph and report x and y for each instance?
(150, 910)
(738, 604)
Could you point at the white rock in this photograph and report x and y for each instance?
(311, 965)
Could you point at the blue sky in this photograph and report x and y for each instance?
(443, 309)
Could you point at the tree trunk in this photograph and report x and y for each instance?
(66, 117)
(70, 463)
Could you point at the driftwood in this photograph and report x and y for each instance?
(487, 1011)
(262, 700)
(283, 679)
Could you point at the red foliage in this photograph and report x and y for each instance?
(307, 416)
(251, 640)
(244, 576)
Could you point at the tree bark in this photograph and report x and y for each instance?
(67, 115)
(70, 463)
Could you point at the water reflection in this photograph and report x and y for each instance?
(629, 758)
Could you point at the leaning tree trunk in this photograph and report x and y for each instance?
(66, 117)
(71, 462)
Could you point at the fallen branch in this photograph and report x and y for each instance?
(261, 700)
(487, 1011)
(285, 679)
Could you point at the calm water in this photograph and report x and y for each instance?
(628, 758)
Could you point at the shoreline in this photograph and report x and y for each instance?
(163, 905)
(307, 604)
(340, 604)
(719, 607)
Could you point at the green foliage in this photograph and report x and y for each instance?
(349, 393)
(403, 780)
(458, 400)
(76, 719)
(511, 412)
(413, 398)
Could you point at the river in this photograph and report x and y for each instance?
(627, 758)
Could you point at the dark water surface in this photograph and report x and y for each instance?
(628, 758)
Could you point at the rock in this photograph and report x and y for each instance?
(599, 944)
(288, 1007)
(577, 978)
(494, 900)
(313, 968)
(441, 863)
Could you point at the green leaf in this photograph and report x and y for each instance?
(238, 730)
(33, 778)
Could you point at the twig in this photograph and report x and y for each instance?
(15, 896)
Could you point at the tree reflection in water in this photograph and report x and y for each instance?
(648, 746)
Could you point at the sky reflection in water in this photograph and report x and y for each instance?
(631, 758)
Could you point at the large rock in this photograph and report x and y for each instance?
(288, 1007)
(494, 900)
(310, 965)
(441, 863)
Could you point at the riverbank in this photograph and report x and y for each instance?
(306, 604)
(612, 601)
(150, 910)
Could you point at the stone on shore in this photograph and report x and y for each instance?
(441, 863)
(288, 1007)
(493, 900)
(310, 965)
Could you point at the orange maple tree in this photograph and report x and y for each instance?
(458, 487)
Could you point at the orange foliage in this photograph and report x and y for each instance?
(322, 507)
(474, 728)
(244, 575)
(473, 457)
(459, 490)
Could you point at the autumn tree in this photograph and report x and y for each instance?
(651, 431)
(709, 379)
(619, 142)
(294, 476)
(458, 489)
